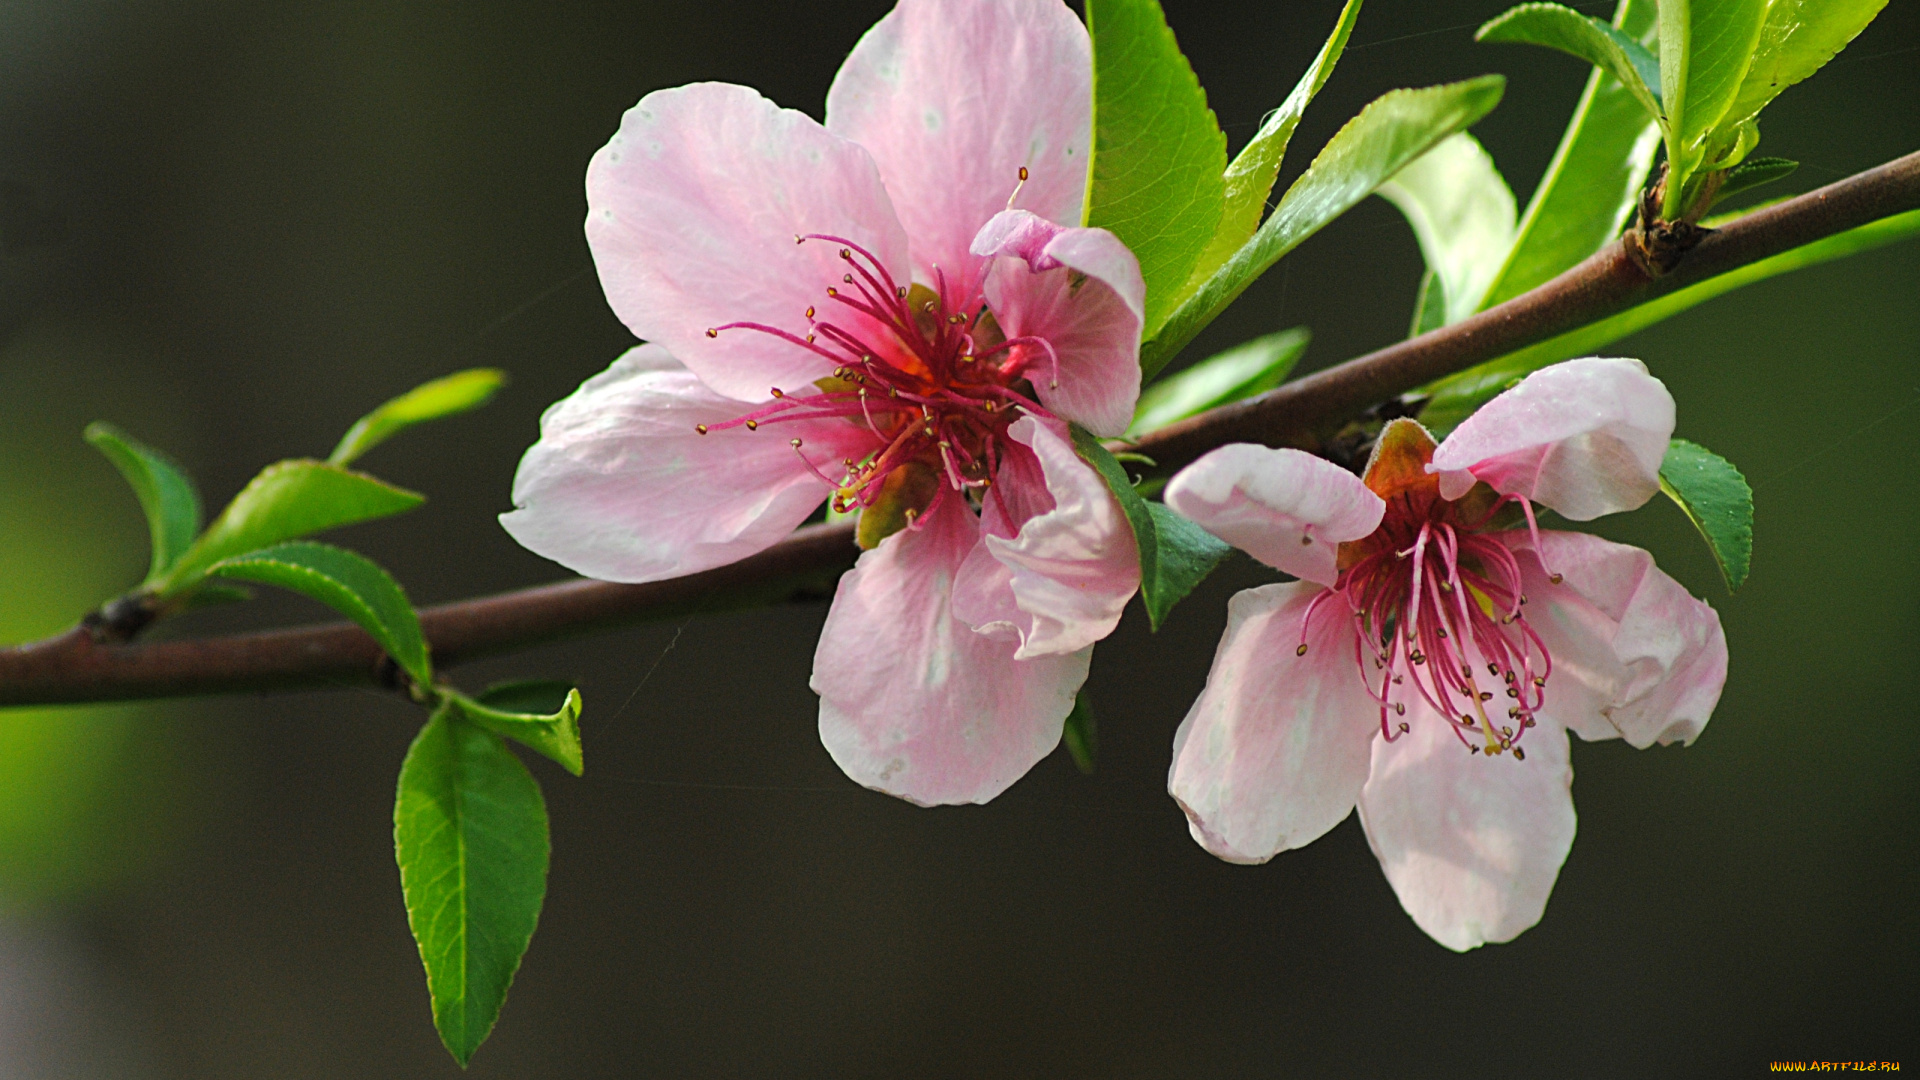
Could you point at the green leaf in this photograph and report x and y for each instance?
(470, 834)
(537, 713)
(1156, 178)
(289, 499)
(1429, 305)
(1705, 48)
(1247, 369)
(1606, 47)
(1453, 399)
(166, 494)
(348, 583)
(1753, 172)
(1175, 554)
(1250, 178)
(1717, 500)
(1593, 184)
(1187, 555)
(1798, 39)
(1081, 734)
(1396, 128)
(449, 396)
(1463, 215)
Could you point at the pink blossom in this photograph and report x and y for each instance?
(1430, 660)
(896, 311)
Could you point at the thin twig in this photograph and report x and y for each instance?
(74, 668)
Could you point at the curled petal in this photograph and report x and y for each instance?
(1471, 844)
(915, 704)
(1274, 751)
(621, 486)
(1634, 654)
(1288, 509)
(1081, 292)
(692, 211)
(1584, 437)
(953, 98)
(1058, 578)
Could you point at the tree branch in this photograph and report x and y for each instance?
(75, 668)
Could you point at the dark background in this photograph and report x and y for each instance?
(233, 227)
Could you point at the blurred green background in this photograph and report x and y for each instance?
(232, 227)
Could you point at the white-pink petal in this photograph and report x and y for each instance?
(912, 701)
(1060, 579)
(1634, 654)
(1584, 437)
(692, 211)
(621, 487)
(1288, 509)
(1471, 844)
(953, 98)
(1079, 290)
(1274, 751)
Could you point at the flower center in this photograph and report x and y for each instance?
(928, 374)
(1438, 606)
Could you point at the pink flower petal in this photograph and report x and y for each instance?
(1061, 578)
(915, 704)
(1274, 752)
(1288, 509)
(1584, 437)
(1470, 843)
(1080, 290)
(622, 488)
(692, 210)
(954, 98)
(1634, 654)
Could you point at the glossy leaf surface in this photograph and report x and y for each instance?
(1462, 212)
(1253, 367)
(1592, 185)
(470, 835)
(1250, 179)
(348, 583)
(289, 499)
(540, 714)
(1717, 500)
(1606, 47)
(1081, 734)
(449, 396)
(1156, 178)
(167, 496)
(1798, 39)
(1395, 129)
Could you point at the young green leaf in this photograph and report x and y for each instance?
(1798, 39)
(1253, 367)
(168, 497)
(1705, 49)
(536, 713)
(1454, 398)
(1593, 184)
(1606, 47)
(1752, 173)
(289, 499)
(1188, 554)
(1717, 500)
(1081, 734)
(449, 396)
(1175, 554)
(1250, 178)
(1462, 212)
(348, 583)
(470, 835)
(1429, 305)
(1156, 178)
(1395, 129)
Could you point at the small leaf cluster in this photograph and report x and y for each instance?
(470, 825)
